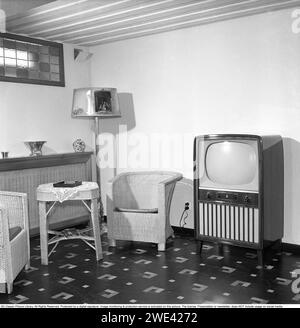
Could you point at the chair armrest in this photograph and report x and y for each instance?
(4, 228)
(174, 178)
(5, 247)
(165, 193)
(16, 205)
(12, 194)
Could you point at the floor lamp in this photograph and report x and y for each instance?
(96, 103)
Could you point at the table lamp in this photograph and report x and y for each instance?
(96, 103)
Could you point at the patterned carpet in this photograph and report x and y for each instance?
(136, 273)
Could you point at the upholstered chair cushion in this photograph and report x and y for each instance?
(140, 210)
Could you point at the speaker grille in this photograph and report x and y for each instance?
(239, 223)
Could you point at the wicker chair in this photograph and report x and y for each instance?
(14, 238)
(138, 206)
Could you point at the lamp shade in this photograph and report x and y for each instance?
(95, 102)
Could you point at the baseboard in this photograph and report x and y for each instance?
(294, 248)
(62, 224)
(291, 248)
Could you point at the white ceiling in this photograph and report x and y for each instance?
(93, 22)
(13, 7)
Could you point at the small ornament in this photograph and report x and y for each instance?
(79, 145)
(4, 154)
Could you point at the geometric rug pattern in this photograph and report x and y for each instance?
(136, 273)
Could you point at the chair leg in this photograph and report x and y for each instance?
(112, 242)
(27, 266)
(279, 245)
(2, 288)
(9, 287)
(260, 257)
(162, 247)
(200, 247)
(96, 229)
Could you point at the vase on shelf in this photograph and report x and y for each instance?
(35, 147)
(79, 145)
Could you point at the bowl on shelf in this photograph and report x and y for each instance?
(35, 147)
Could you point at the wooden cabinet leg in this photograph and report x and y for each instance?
(260, 257)
(43, 232)
(96, 229)
(200, 247)
(279, 245)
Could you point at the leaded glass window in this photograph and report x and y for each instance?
(27, 60)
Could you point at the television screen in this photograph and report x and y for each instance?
(231, 163)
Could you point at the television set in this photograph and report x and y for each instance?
(238, 189)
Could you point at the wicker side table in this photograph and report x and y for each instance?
(48, 196)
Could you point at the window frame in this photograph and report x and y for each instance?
(59, 46)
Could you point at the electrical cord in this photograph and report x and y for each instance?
(183, 218)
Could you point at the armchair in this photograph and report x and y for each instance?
(14, 238)
(138, 207)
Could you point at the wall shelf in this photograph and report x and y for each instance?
(30, 162)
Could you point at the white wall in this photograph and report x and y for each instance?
(38, 112)
(238, 76)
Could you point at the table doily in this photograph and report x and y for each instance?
(64, 194)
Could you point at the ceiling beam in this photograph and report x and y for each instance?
(89, 23)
